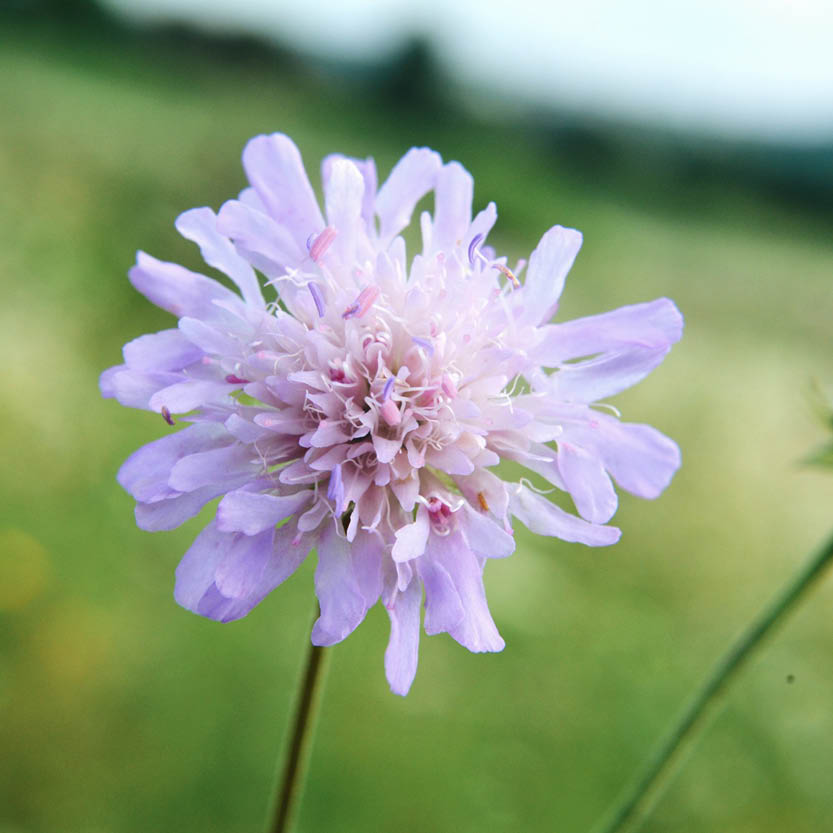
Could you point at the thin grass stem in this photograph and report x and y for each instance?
(640, 797)
(291, 784)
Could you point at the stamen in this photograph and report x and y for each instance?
(388, 388)
(481, 499)
(390, 413)
(322, 243)
(509, 274)
(316, 297)
(448, 386)
(166, 415)
(424, 344)
(362, 304)
(475, 242)
(236, 380)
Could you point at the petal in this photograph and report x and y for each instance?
(402, 653)
(252, 513)
(410, 180)
(209, 339)
(641, 459)
(182, 397)
(274, 167)
(195, 573)
(386, 449)
(367, 552)
(548, 268)
(216, 466)
(367, 169)
(145, 473)
(452, 206)
(443, 606)
(412, 538)
(134, 388)
(343, 196)
(543, 517)
(587, 482)
(476, 631)
(200, 226)
(258, 238)
(484, 536)
(171, 512)
(167, 350)
(651, 326)
(176, 289)
(450, 460)
(240, 571)
(290, 548)
(607, 375)
(339, 594)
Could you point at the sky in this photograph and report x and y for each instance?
(746, 68)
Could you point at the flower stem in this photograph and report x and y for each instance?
(303, 729)
(640, 797)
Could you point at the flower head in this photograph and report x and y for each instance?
(361, 406)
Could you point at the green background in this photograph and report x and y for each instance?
(121, 712)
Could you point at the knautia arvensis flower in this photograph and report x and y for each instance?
(355, 401)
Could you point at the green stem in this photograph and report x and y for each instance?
(639, 798)
(303, 729)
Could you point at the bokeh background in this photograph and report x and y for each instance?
(122, 713)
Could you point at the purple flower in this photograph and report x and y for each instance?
(361, 410)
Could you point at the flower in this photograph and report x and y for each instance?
(362, 410)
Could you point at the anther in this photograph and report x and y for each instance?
(386, 391)
(390, 413)
(448, 386)
(236, 380)
(363, 303)
(481, 499)
(322, 243)
(509, 274)
(424, 344)
(475, 242)
(166, 415)
(316, 297)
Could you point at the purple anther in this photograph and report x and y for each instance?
(166, 415)
(335, 491)
(363, 303)
(322, 243)
(424, 344)
(475, 242)
(316, 296)
(236, 380)
(309, 241)
(388, 388)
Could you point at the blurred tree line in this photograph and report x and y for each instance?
(663, 164)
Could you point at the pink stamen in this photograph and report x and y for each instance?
(449, 388)
(363, 303)
(390, 413)
(236, 380)
(322, 243)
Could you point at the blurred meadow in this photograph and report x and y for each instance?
(121, 712)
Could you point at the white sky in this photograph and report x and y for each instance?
(746, 67)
